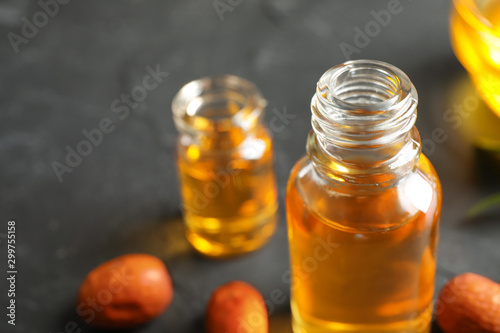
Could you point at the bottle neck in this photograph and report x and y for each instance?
(363, 116)
(218, 112)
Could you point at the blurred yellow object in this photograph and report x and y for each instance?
(474, 121)
(475, 36)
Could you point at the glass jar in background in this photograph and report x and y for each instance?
(225, 166)
(475, 36)
(363, 208)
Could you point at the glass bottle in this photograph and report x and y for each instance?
(475, 36)
(363, 208)
(225, 166)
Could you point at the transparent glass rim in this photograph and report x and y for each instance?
(390, 115)
(470, 13)
(401, 84)
(247, 116)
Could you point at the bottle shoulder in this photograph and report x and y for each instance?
(417, 193)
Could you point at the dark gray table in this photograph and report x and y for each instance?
(123, 197)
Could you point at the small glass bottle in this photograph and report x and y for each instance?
(363, 208)
(225, 166)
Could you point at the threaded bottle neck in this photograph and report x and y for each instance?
(363, 103)
(363, 114)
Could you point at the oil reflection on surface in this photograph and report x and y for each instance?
(165, 239)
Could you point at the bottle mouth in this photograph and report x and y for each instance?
(217, 104)
(362, 85)
(363, 102)
(471, 12)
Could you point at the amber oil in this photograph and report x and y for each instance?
(225, 166)
(363, 208)
(475, 36)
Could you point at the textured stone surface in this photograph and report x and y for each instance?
(123, 197)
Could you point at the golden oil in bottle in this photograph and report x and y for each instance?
(475, 36)
(225, 166)
(363, 208)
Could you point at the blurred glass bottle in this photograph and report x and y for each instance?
(475, 36)
(225, 166)
(363, 208)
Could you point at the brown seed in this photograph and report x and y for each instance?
(469, 303)
(125, 292)
(234, 308)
